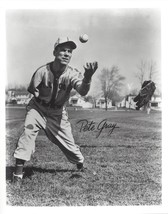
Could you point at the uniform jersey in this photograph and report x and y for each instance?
(43, 82)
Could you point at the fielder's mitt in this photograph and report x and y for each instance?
(145, 94)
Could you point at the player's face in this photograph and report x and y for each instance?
(63, 54)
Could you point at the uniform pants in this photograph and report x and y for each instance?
(57, 128)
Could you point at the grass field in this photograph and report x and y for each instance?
(123, 168)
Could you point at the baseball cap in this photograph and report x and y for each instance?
(64, 40)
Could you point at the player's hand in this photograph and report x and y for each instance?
(90, 69)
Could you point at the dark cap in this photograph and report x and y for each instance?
(65, 40)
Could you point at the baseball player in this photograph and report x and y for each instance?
(51, 85)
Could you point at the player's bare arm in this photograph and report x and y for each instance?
(82, 87)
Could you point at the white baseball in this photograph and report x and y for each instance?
(94, 173)
(83, 38)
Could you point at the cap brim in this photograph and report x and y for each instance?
(71, 43)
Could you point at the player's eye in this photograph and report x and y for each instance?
(68, 50)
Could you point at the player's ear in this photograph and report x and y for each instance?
(55, 51)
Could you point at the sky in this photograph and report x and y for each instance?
(121, 37)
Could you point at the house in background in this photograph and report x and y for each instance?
(18, 97)
(100, 103)
(127, 102)
(78, 101)
(10, 97)
(156, 102)
(23, 97)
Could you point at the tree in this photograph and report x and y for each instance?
(88, 98)
(91, 99)
(146, 71)
(140, 75)
(95, 90)
(152, 70)
(134, 91)
(111, 84)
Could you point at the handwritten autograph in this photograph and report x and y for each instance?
(91, 126)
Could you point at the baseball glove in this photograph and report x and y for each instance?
(145, 94)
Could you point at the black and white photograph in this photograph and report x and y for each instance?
(83, 107)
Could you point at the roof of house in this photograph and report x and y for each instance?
(21, 93)
(102, 99)
(76, 97)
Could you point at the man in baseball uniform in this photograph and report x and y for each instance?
(51, 85)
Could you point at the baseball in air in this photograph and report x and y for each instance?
(83, 38)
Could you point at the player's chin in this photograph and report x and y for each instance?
(65, 62)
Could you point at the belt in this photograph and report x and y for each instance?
(43, 103)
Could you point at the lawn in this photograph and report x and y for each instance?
(123, 163)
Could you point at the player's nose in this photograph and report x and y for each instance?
(67, 53)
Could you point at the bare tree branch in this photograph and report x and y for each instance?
(140, 75)
(146, 71)
(111, 83)
(152, 70)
